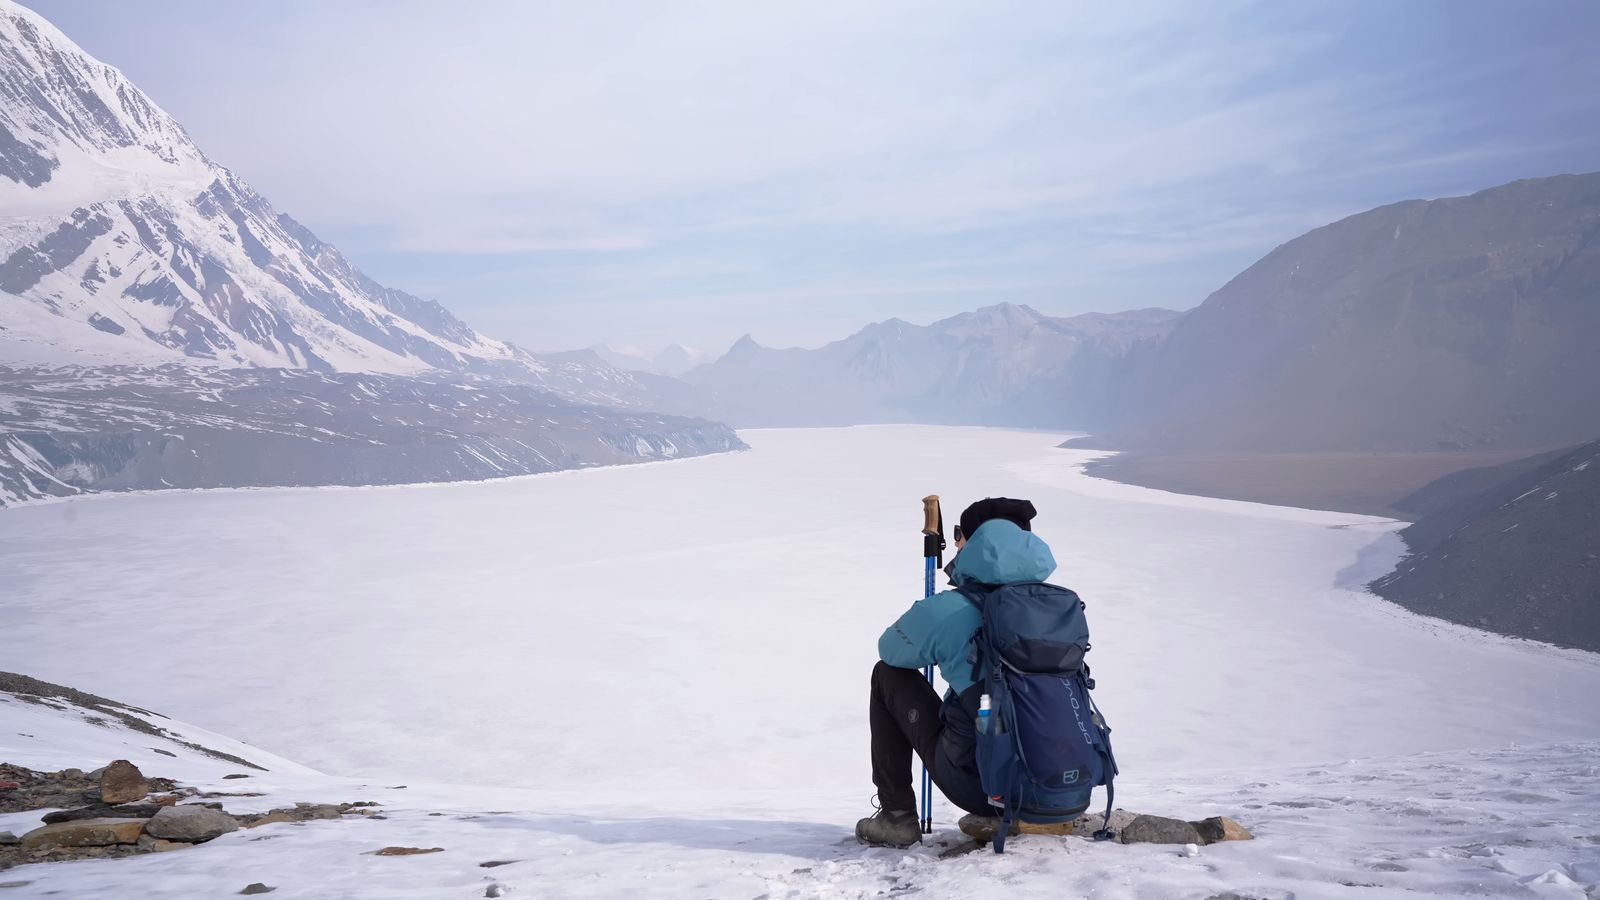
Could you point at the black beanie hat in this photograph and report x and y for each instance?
(1018, 512)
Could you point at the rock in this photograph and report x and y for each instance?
(95, 775)
(494, 863)
(84, 833)
(122, 782)
(305, 811)
(70, 774)
(101, 811)
(7, 839)
(1159, 830)
(983, 828)
(165, 800)
(271, 818)
(195, 824)
(1222, 828)
(257, 888)
(9, 785)
(233, 776)
(156, 845)
(408, 851)
(493, 890)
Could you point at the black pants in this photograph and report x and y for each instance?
(905, 720)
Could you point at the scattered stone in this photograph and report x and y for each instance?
(163, 752)
(84, 833)
(398, 787)
(1159, 830)
(7, 839)
(1222, 828)
(270, 818)
(493, 890)
(408, 851)
(230, 778)
(165, 800)
(9, 785)
(122, 782)
(14, 884)
(102, 811)
(493, 863)
(194, 824)
(71, 774)
(95, 775)
(257, 888)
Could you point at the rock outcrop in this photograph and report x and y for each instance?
(1129, 828)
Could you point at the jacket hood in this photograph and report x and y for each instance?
(1001, 553)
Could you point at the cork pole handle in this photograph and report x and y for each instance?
(931, 521)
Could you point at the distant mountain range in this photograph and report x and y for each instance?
(1001, 365)
(1513, 549)
(1468, 323)
(1463, 323)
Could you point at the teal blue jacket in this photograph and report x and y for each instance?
(938, 630)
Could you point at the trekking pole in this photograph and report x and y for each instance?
(932, 562)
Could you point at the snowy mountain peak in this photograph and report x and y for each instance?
(125, 244)
(1000, 318)
(77, 128)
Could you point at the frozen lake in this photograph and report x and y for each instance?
(700, 632)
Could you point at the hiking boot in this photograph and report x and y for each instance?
(890, 828)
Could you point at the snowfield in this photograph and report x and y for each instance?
(653, 678)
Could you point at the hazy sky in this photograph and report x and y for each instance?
(562, 174)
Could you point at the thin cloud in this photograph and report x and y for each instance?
(709, 160)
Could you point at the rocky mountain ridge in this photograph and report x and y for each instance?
(65, 432)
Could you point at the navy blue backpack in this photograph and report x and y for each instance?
(1046, 747)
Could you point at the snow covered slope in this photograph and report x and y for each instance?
(121, 242)
(654, 677)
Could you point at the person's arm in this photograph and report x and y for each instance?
(909, 642)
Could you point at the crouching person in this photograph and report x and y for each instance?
(996, 546)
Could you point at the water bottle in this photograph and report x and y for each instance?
(985, 715)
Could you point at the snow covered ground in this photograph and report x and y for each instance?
(654, 679)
